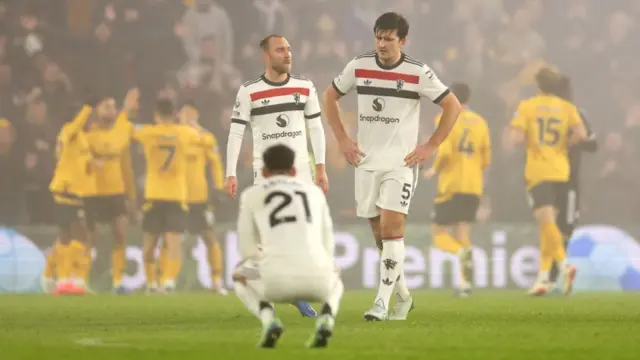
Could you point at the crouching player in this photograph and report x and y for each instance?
(287, 245)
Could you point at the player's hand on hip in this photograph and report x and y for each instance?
(420, 155)
(351, 151)
(231, 186)
(321, 179)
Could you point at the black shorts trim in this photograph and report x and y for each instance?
(200, 218)
(164, 217)
(102, 209)
(461, 208)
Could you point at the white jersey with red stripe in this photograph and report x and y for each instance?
(388, 106)
(278, 113)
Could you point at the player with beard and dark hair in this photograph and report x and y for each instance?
(282, 108)
(386, 154)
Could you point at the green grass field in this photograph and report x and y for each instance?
(489, 325)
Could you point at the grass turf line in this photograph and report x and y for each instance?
(489, 325)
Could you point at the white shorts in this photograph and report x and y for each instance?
(384, 189)
(285, 285)
(302, 172)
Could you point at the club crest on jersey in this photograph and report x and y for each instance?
(296, 98)
(399, 84)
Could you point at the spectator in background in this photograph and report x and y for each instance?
(11, 177)
(207, 20)
(39, 163)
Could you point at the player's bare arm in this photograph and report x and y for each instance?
(131, 101)
(348, 146)
(451, 109)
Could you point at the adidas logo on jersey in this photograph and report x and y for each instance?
(387, 282)
(367, 82)
(265, 102)
(404, 203)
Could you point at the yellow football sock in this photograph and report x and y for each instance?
(172, 270)
(555, 241)
(81, 259)
(215, 261)
(162, 263)
(50, 265)
(546, 254)
(118, 264)
(65, 262)
(150, 272)
(447, 243)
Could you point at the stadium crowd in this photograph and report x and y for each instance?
(202, 50)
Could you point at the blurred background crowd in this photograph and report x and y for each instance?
(51, 52)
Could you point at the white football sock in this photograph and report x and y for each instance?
(391, 265)
(401, 286)
(334, 297)
(543, 276)
(266, 316)
(248, 297)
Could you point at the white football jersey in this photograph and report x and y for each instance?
(388, 106)
(278, 113)
(290, 221)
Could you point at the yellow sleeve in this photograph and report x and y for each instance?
(574, 116)
(519, 120)
(486, 149)
(80, 120)
(213, 155)
(127, 174)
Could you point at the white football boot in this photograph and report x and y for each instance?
(401, 308)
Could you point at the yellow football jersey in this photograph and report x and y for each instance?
(74, 173)
(463, 156)
(165, 149)
(111, 145)
(546, 121)
(199, 155)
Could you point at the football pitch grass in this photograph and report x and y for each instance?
(488, 325)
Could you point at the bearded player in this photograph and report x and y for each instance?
(281, 108)
(114, 197)
(460, 165)
(548, 126)
(389, 86)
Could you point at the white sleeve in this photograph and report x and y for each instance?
(248, 239)
(314, 123)
(430, 86)
(239, 119)
(346, 81)
(327, 227)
